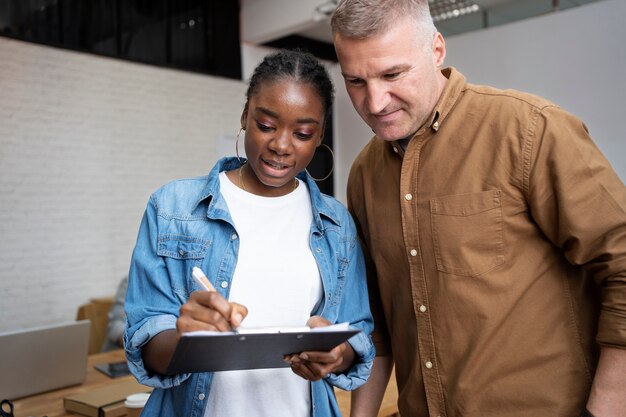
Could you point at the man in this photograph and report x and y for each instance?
(495, 229)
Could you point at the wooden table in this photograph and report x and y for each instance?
(50, 403)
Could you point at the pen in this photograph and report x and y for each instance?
(201, 279)
(198, 275)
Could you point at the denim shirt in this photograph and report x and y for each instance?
(187, 224)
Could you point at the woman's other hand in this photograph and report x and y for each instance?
(314, 366)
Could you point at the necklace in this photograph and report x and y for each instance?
(243, 187)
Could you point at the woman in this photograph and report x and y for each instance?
(278, 251)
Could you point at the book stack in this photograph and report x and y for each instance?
(107, 401)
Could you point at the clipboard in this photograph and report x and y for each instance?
(231, 351)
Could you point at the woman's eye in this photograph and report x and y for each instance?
(263, 128)
(304, 135)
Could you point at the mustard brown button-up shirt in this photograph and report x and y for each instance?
(497, 255)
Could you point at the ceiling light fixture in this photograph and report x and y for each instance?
(449, 9)
(324, 10)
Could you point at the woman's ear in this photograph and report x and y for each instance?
(244, 116)
(321, 138)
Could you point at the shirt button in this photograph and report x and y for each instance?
(436, 125)
(413, 252)
(201, 397)
(423, 308)
(233, 236)
(224, 284)
(408, 197)
(181, 252)
(395, 149)
(429, 364)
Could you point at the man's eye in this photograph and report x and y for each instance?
(392, 76)
(355, 81)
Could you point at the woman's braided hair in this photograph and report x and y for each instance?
(298, 65)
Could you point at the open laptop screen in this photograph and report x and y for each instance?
(43, 358)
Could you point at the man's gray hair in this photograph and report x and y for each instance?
(362, 19)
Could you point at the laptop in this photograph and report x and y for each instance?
(42, 359)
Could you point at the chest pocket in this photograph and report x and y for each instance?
(468, 232)
(182, 247)
(181, 253)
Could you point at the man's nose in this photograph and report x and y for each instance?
(377, 98)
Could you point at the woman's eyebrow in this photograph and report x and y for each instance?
(268, 112)
(307, 120)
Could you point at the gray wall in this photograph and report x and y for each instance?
(84, 140)
(575, 58)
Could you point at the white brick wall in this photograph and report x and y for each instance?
(84, 140)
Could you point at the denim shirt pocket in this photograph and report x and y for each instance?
(181, 254)
(468, 232)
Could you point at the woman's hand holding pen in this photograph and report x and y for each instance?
(314, 366)
(208, 310)
(205, 310)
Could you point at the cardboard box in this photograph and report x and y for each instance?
(106, 401)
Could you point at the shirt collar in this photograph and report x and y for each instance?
(449, 96)
(212, 188)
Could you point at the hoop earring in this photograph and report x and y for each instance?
(237, 146)
(332, 166)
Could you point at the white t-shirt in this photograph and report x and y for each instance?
(277, 279)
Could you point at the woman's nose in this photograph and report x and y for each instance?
(281, 142)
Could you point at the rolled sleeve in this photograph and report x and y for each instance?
(612, 330)
(357, 312)
(358, 374)
(134, 342)
(151, 305)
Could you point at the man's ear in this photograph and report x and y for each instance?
(439, 50)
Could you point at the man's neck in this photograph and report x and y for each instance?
(404, 142)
